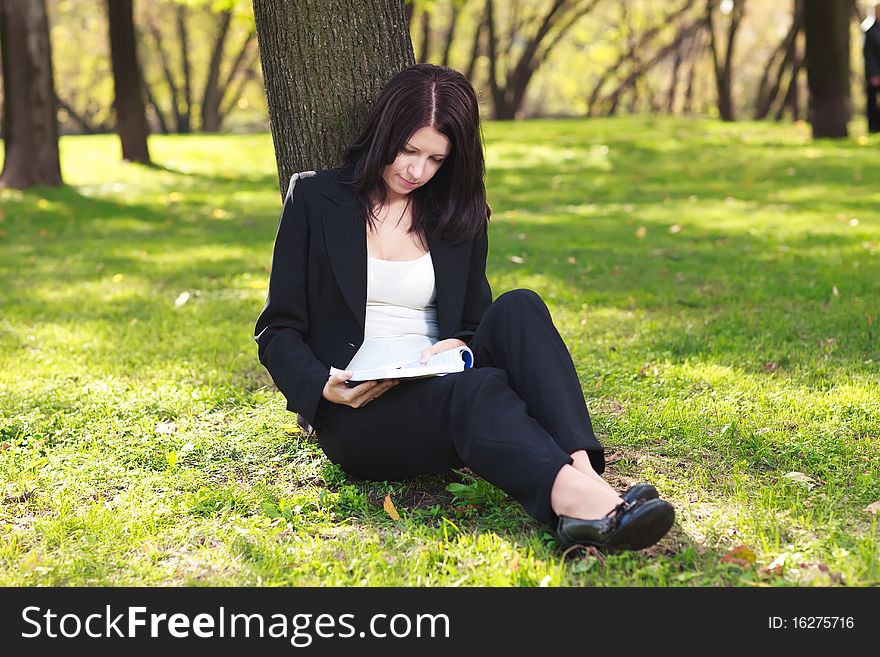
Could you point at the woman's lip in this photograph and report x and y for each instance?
(406, 182)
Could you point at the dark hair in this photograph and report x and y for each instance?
(453, 203)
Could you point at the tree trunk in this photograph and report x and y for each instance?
(450, 33)
(30, 125)
(131, 116)
(212, 95)
(724, 66)
(425, 51)
(324, 63)
(185, 116)
(827, 32)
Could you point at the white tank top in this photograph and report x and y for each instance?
(401, 318)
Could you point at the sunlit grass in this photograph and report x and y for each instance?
(716, 285)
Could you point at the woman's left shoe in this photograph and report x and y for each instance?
(631, 525)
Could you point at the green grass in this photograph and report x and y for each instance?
(717, 286)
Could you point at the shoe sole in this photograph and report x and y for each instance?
(647, 531)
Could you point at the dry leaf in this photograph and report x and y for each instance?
(675, 228)
(835, 291)
(513, 566)
(763, 430)
(571, 260)
(799, 477)
(181, 299)
(641, 232)
(742, 556)
(388, 505)
(874, 507)
(517, 260)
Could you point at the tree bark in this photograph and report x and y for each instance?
(827, 32)
(324, 64)
(131, 115)
(30, 124)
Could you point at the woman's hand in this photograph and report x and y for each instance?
(439, 347)
(337, 392)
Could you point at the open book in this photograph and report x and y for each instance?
(446, 362)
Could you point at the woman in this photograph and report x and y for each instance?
(384, 259)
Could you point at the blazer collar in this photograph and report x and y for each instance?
(345, 237)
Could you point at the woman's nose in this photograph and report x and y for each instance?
(415, 170)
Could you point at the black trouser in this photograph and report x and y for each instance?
(514, 419)
(873, 108)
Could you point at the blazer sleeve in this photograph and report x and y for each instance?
(478, 294)
(279, 331)
(871, 49)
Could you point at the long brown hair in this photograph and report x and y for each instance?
(453, 203)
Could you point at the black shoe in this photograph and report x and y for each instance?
(632, 525)
(640, 492)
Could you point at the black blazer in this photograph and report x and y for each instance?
(316, 306)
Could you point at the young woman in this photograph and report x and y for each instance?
(384, 259)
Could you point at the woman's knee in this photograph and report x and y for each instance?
(516, 301)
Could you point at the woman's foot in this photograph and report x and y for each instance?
(632, 525)
(578, 496)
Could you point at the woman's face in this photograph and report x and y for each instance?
(416, 164)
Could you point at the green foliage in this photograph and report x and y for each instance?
(715, 284)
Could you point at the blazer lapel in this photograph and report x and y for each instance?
(450, 275)
(345, 237)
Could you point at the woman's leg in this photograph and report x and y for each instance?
(473, 418)
(517, 334)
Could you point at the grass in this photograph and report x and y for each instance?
(716, 285)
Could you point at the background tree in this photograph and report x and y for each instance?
(722, 61)
(509, 90)
(827, 28)
(201, 45)
(324, 63)
(30, 126)
(131, 118)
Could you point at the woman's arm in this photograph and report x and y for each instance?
(279, 332)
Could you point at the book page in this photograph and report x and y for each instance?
(446, 362)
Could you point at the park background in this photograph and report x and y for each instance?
(690, 186)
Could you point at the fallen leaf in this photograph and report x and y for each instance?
(571, 260)
(517, 260)
(763, 430)
(770, 367)
(181, 299)
(388, 505)
(742, 556)
(117, 277)
(641, 232)
(874, 508)
(799, 477)
(835, 291)
(166, 427)
(675, 228)
(513, 566)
